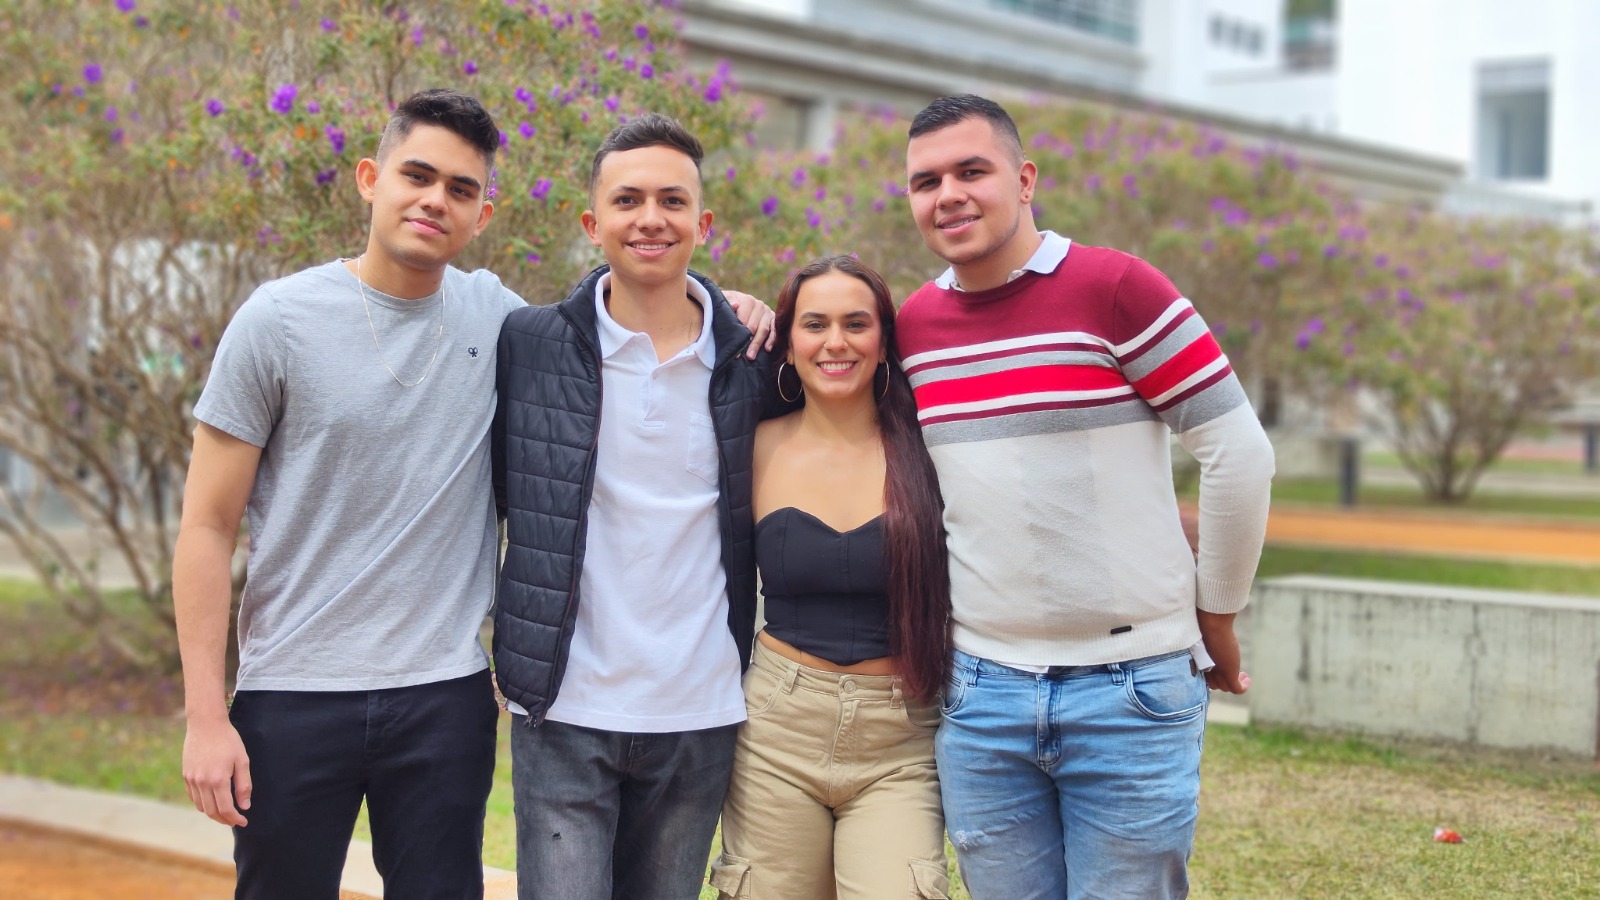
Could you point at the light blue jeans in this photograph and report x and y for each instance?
(1083, 782)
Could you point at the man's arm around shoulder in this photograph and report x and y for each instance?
(222, 471)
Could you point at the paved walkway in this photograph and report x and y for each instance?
(151, 830)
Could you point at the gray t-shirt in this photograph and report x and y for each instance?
(372, 522)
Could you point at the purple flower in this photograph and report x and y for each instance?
(527, 131)
(335, 139)
(524, 95)
(641, 32)
(1092, 183)
(469, 67)
(647, 71)
(329, 25)
(92, 73)
(812, 218)
(116, 135)
(1302, 341)
(283, 98)
(1130, 183)
(141, 22)
(125, 5)
(505, 139)
(769, 206)
(713, 91)
(630, 64)
(215, 108)
(612, 102)
(879, 205)
(533, 258)
(541, 189)
(327, 175)
(313, 107)
(1380, 260)
(1331, 251)
(732, 172)
(111, 114)
(1267, 261)
(416, 36)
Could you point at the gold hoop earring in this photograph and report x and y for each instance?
(884, 368)
(780, 385)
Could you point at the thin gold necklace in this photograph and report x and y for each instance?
(437, 340)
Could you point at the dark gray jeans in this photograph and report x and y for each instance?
(609, 814)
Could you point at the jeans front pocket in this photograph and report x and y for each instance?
(1168, 690)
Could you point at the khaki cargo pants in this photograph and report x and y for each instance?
(834, 791)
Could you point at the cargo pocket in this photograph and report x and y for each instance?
(930, 879)
(730, 875)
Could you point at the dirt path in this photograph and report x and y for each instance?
(1439, 534)
(43, 865)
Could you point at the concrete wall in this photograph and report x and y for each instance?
(1494, 668)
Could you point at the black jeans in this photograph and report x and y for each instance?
(422, 756)
(610, 814)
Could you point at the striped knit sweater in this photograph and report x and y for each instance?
(1046, 404)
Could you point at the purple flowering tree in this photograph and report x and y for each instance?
(1457, 334)
(163, 158)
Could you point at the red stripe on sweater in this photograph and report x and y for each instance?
(1201, 352)
(1028, 380)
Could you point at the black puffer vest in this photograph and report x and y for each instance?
(546, 426)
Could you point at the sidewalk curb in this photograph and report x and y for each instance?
(171, 833)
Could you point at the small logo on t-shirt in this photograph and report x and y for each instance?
(472, 352)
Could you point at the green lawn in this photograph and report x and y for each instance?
(1390, 460)
(1325, 492)
(1553, 579)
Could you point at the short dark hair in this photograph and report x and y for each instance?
(947, 111)
(647, 130)
(460, 114)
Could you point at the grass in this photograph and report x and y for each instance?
(1325, 492)
(1284, 813)
(1552, 579)
(1389, 460)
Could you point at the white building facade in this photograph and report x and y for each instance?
(1507, 90)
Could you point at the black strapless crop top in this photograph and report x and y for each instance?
(825, 590)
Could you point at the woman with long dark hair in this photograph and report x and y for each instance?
(834, 792)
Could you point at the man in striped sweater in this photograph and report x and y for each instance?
(1048, 376)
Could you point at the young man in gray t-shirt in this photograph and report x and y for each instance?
(348, 411)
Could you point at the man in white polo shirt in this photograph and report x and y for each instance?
(626, 610)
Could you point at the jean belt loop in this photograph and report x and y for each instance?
(1118, 674)
(896, 699)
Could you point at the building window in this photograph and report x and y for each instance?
(1117, 20)
(1514, 121)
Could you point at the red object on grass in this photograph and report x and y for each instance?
(1448, 836)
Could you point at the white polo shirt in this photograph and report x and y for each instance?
(651, 651)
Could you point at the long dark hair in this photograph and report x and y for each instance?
(919, 573)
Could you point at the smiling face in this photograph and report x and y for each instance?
(836, 341)
(970, 198)
(427, 196)
(646, 216)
